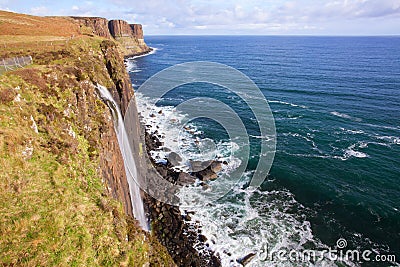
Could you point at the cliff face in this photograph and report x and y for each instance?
(130, 36)
(120, 28)
(137, 30)
(98, 26)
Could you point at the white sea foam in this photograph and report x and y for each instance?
(254, 221)
(390, 139)
(245, 221)
(130, 65)
(344, 116)
(308, 138)
(164, 122)
(352, 131)
(396, 128)
(350, 152)
(287, 103)
(153, 51)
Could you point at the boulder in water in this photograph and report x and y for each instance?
(246, 259)
(185, 179)
(174, 159)
(196, 166)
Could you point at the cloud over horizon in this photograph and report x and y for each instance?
(329, 17)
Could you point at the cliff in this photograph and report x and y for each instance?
(96, 26)
(130, 36)
(64, 198)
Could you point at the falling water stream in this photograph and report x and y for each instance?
(129, 161)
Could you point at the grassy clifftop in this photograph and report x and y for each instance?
(55, 204)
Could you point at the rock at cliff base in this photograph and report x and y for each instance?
(246, 259)
(186, 179)
(174, 159)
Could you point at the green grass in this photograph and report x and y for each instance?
(54, 209)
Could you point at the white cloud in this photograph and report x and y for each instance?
(237, 16)
(40, 11)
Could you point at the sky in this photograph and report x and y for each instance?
(232, 17)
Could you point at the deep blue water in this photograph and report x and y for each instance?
(336, 103)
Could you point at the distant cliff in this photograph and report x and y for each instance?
(129, 35)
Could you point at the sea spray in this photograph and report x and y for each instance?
(129, 162)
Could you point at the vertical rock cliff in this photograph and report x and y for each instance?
(130, 36)
(94, 25)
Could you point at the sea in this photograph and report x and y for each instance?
(335, 180)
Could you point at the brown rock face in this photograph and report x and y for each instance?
(130, 36)
(112, 166)
(122, 90)
(137, 30)
(111, 161)
(98, 25)
(120, 28)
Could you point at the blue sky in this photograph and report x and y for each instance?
(309, 17)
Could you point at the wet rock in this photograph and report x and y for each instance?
(186, 179)
(196, 166)
(216, 166)
(207, 175)
(174, 159)
(246, 259)
(202, 238)
(170, 227)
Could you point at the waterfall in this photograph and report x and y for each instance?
(129, 161)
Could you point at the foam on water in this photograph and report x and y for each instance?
(164, 122)
(153, 51)
(245, 221)
(131, 66)
(287, 103)
(253, 221)
(352, 131)
(350, 152)
(344, 116)
(390, 139)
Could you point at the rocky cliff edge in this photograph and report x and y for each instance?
(130, 36)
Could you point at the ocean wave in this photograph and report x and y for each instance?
(350, 152)
(253, 221)
(344, 116)
(308, 138)
(352, 131)
(153, 51)
(287, 103)
(396, 128)
(130, 65)
(345, 154)
(244, 221)
(390, 139)
(187, 141)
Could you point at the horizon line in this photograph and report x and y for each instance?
(283, 35)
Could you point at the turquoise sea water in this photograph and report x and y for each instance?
(336, 104)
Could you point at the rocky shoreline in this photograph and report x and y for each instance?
(184, 241)
(143, 53)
